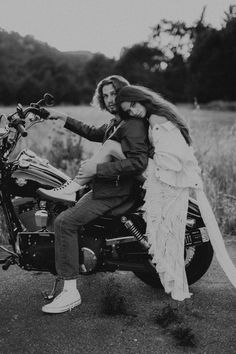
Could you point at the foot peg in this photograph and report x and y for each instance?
(12, 259)
(8, 262)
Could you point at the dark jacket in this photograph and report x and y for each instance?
(117, 178)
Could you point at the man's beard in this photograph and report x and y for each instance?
(112, 110)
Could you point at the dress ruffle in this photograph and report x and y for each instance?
(165, 213)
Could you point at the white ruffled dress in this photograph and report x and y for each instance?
(169, 176)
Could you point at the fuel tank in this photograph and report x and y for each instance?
(32, 172)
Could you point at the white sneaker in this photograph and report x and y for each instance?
(65, 301)
(66, 192)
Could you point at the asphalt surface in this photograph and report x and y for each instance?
(208, 319)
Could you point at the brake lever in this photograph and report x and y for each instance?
(20, 112)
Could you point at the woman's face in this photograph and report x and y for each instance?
(134, 109)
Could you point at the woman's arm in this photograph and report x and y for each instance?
(154, 119)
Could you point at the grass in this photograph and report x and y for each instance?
(214, 141)
(184, 336)
(214, 136)
(113, 302)
(166, 316)
(173, 320)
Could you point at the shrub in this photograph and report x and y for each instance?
(113, 301)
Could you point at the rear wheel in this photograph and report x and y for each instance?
(197, 262)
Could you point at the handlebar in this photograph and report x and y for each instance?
(36, 108)
(21, 130)
(41, 112)
(17, 119)
(17, 123)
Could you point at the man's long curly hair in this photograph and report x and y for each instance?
(118, 83)
(154, 104)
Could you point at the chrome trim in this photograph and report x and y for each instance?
(88, 250)
(17, 245)
(118, 240)
(190, 222)
(189, 254)
(204, 234)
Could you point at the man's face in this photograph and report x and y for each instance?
(109, 97)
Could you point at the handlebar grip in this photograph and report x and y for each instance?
(22, 130)
(44, 113)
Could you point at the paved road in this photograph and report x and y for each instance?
(210, 315)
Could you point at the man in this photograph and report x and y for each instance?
(113, 183)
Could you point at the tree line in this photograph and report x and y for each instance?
(183, 63)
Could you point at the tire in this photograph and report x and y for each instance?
(197, 261)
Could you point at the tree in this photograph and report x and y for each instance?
(95, 69)
(140, 64)
(176, 38)
(211, 65)
(178, 41)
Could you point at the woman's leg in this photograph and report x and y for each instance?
(109, 150)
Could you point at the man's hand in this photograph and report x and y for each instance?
(53, 114)
(88, 168)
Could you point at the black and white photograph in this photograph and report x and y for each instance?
(117, 176)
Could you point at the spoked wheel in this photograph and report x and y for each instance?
(197, 262)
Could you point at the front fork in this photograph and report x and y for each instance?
(13, 226)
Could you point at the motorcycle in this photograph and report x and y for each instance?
(114, 241)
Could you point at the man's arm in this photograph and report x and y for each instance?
(133, 136)
(89, 132)
(86, 131)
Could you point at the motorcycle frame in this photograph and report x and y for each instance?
(12, 222)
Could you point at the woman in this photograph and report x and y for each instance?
(171, 174)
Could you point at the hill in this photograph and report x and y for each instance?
(29, 67)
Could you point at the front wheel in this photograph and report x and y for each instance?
(197, 262)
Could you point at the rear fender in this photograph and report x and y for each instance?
(193, 209)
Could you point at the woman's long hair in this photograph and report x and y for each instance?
(154, 104)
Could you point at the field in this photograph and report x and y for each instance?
(214, 141)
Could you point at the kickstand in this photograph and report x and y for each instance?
(51, 295)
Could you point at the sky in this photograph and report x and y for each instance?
(101, 25)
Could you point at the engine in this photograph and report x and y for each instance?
(36, 215)
(35, 244)
(25, 209)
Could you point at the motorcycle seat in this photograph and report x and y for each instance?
(121, 209)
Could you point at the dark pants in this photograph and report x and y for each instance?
(67, 226)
